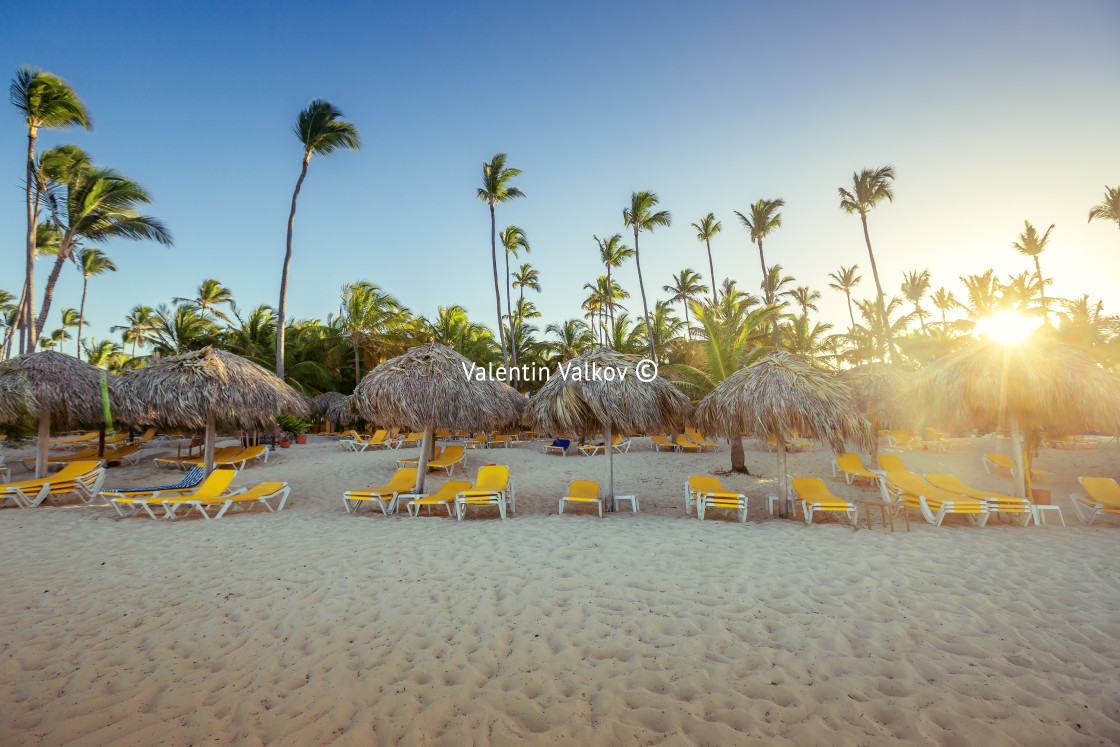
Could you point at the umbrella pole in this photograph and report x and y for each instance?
(42, 446)
(422, 460)
(101, 442)
(783, 488)
(208, 446)
(1017, 449)
(610, 467)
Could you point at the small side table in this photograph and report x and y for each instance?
(886, 513)
(633, 502)
(1040, 515)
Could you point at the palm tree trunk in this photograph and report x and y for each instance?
(687, 325)
(357, 367)
(1041, 287)
(498, 288)
(645, 306)
(48, 294)
(769, 296)
(509, 313)
(610, 298)
(82, 316)
(848, 295)
(738, 461)
(280, 312)
(32, 219)
(921, 317)
(879, 291)
(712, 270)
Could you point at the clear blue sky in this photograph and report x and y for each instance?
(991, 113)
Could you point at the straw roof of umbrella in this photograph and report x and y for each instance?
(878, 391)
(56, 385)
(567, 405)
(780, 395)
(181, 391)
(428, 386)
(320, 404)
(339, 410)
(1044, 383)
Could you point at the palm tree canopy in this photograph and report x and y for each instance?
(707, 227)
(527, 277)
(686, 284)
(869, 188)
(496, 179)
(1030, 243)
(45, 100)
(640, 215)
(1108, 208)
(763, 217)
(781, 395)
(612, 252)
(93, 262)
(514, 239)
(322, 130)
(845, 279)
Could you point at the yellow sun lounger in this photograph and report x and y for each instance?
(583, 491)
(1101, 498)
(695, 436)
(851, 467)
(451, 456)
(661, 442)
(796, 444)
(241, 458)
(83, 479)
(592, 449)
(898, 439)
(996, 502)
(1002, 461)
(892, 463)
(188, 462)
(935, 440)
(445, 497)
(492, 487)
(684, 443)
(707, 493)
(214, 486)
(815, 498)
(409, 441)
(356, 443)
(403, 482)
(413, 461)
(502, 440)
(85, 455)
(934, 503)
(259, 495)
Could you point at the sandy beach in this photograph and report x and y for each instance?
(311, 626)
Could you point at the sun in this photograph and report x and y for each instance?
(1007, 327)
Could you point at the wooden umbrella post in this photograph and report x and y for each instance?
(208, 446)
(1017, 450)
(422, 460)
(42, 446)
(783, 481)
(610, 466)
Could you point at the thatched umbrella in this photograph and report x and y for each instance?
(53, 388)
(324, 404)
(430, 387)
(1040, 385)
(780, 395)
(341, 411)
(574, 401)
(210, 389)
(878, 391)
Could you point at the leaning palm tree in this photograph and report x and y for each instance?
(845, 280)
(321, 130)
(706, 228)
(640, 217)
(210, 294)
(513, 240)
(869, 188)
(92, 205)
(1108, 208)
(915, 286)
(496, 187)
(613, 253)
(1030, 244)
(91, 262)
(686, 285)
(764, 218)
(46, 102)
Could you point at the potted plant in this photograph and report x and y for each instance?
(292, 426)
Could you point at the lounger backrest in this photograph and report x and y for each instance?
(900, 436)
(214, 485)
(949, 482)
(402, 480)
(1101, 489)
(561, 443)
(914, 485)
(849, 462)
(583, 488)
(265, 488)
(377, 437)
(252, 452)
(492, 477)
(1000, 460)
(452, 454)
(122, 451)
(706, 484)
(811, 489)
(892, 463)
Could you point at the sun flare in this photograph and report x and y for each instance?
(1008, 327)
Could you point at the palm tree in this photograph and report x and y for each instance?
(470, 339)
(686, 285)
(613, 253)
(706, 228)
(47, 239)
(92, 205)
(805, 299)
(104, 354)
(91, 262)
(46, 102)
(983, 294)
(526, 277)
(1108, 208)
(513, 239)
(915, 286)
(138, 327)
(665, 328)
(496, 187)
(368, 316)
(573, 338)
(845, 280)
(869, 188)
(640, 217)
(1030, 244)
(764, 218)
(181, 330)
(210, 293)
(944, 301)
(321, 130)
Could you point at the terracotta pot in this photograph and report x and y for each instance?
(285, 443)
(301, 438)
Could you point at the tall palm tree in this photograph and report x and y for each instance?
(369, 317)
(706, 228)
(513, 240)
(640, 217)
(104, 354)
(321, 130)
(46, 102)
(573, 337)
(181, 330)
(526, 277)
(915, 286)
(92, 205)
(944, 301)
(869, 188)
(764, 217)
(1030, 244)
(47, 238)
(91, 262)
(806, 299)
(138, 327)
(497, 187)
(686, 286)
(845, 280)
(210, 294)
(1108, 208)
(612, 252)
(983, 294)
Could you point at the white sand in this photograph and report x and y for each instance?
(311, 625)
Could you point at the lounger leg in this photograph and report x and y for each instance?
(561, 505)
